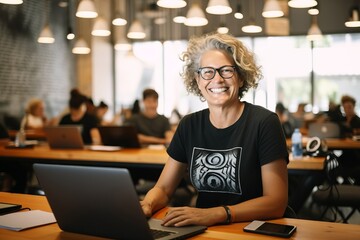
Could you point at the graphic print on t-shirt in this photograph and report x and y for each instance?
(216, 170)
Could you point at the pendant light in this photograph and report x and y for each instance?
(81, 47)
(86, 9)
(136, 30)
(123, 45)
(11, 2)
(46, 35)
(171, 3)
(314, 10)
(314, 33)
(119, 19)
(302, 3)
(354, 20)
(218, 7)
(223, 29)
(238, 14)
(70, 34)
(251, 27)
(272, 9)
(179, 19)
(195, 17)
(101, 28)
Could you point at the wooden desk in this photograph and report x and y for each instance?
(305, 229)
(43, 153)
(342, 143)
(33, 134)
(123, 158)
(333, 143)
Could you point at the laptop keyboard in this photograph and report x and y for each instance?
(156, 233)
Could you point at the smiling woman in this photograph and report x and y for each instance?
(227, 149)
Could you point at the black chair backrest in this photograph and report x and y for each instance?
(332, 168)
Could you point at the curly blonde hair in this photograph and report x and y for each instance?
(244, 60)
(33, 104)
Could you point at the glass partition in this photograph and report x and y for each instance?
(294, 71)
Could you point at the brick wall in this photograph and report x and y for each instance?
(30, 69)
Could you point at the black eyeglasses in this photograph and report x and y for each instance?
(208, 73)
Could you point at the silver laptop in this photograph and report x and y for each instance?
(324, 130)
(69, 137)
(65, 136)
(101, 201)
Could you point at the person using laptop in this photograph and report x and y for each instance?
(350, 158)
(152, 127)
(79, 116)
(234, 152)
(351, 121)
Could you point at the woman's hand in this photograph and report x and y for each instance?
(182, 216)
(146, 208)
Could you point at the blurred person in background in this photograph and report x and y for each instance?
(351, 121)
(350, 158)
(79, 116)
(100, 112)
(35, 115)
(286, 123)
(153, 128)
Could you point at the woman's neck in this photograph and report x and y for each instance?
(223, 117)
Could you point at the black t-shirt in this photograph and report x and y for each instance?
(87, 122)
(156, 127)
(225, 164)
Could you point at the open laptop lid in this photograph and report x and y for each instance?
(99, 201)
(123, 136)
(324, 130)
(64, 136)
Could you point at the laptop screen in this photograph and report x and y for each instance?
(123, 136)
(100, 201)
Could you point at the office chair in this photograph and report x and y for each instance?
(334, 195)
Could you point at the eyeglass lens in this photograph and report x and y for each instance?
(209, 73)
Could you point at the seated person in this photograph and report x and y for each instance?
(35, 116)
(228, 148)
(79, 116)
(350, 158)
(152, 127)
(100, 112)
(351, 121)
(286, 124)
(334, 113)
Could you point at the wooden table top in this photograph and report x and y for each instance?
(305, 229)
(143, 155)
(333, 143)
(128, 156)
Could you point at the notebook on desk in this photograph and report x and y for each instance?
(69, 137)
(100, 201)
(123, 136)
(324, 130)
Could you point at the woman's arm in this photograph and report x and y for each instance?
(271, 205)
(160, 195)
(275, 195)
(146, 139)
(95, 136)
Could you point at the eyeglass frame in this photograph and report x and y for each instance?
(216, 70)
